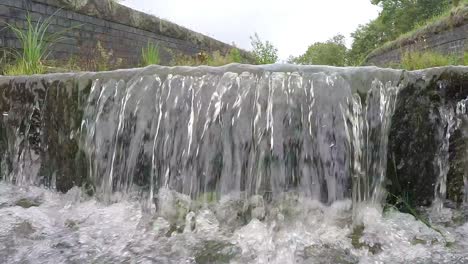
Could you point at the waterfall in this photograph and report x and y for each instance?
(462, 122)
(235, 164)
(241, 133)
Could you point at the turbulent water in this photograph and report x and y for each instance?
(42, 226)
(241, 164)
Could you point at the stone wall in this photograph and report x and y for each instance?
(448, 37)
(120, 31)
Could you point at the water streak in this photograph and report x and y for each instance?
(241, 133)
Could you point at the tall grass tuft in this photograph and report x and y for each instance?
(35, 45)
(422, 60)
(150, 54)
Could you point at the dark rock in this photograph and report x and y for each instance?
(416, 135)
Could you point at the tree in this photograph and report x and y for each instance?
(366, 39)
(264, 52)
(332, 52)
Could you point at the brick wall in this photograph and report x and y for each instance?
(121, 31)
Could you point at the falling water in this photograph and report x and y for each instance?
(462, 122)
(449, 123)
(241, 133)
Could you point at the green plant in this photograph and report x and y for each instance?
(264, 52)
(150, 54)
(35, 45)
(332, 52)
(235, 55)
(422, 60)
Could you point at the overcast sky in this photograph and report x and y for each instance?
(291, 25)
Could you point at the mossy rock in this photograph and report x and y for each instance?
(357, 243)
(324, 254)
(27, 203)
(211, 251)
(416, 135)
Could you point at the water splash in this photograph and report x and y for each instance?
(42, 226)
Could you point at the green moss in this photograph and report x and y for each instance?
(27, 203)
(417, 241)
(356, 236)
(207, 197)
(328, 254)
(358, 232)
(212, 251)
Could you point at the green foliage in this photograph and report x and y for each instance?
(214, 59)
(366, 39)
(150, 55)
(264, 52)
(35, 45)
(396, 18)
(332, 52)
(422, 60)
(235, 55)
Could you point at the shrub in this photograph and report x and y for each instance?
(422, 60)
(264, 52)
(332, 52)
(216, 59)
(150, 54)
(235, 55)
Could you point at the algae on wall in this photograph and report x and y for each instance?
(418, 128)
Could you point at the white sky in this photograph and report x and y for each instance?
(290, 25)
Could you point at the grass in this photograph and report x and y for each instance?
(35, 45)
(422, 60)
(203, 58)
(418, 60)
(150, 55)
(450, 18)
